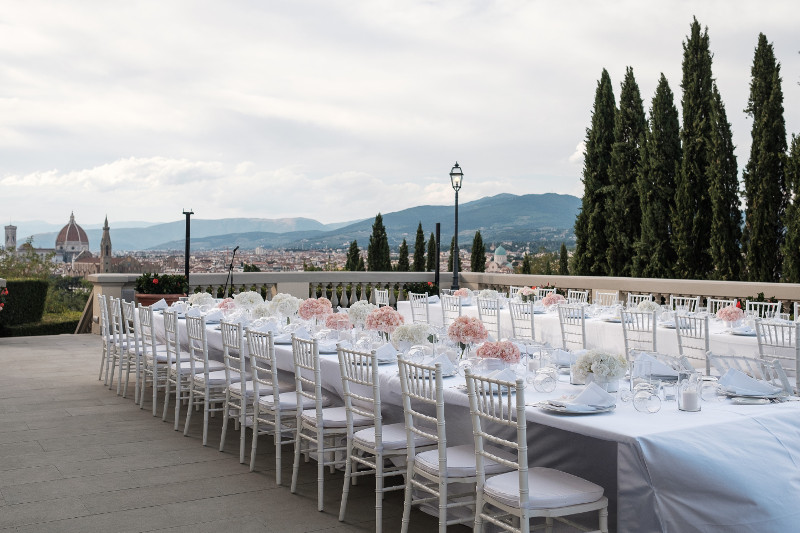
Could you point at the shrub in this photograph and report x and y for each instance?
(24, 301)
(162, 284)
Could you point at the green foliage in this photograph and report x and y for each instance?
(563, 261)
(421, 287)
(791, 246)
(378, 255)
(24, 301)
(162, 284)
(355, 263)
(402, 261)
(25, 263)
(419, 251)
(250, 268)
(308, 267)
(477, 260)
(660, 161)
(67, 294)
(764, 176)
(590, 224)
(430, 265)
(55, 324)
(527, 265)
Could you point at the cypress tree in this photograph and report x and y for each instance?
(378, 255)
(419, 250)
(353, 256)
(791, 245)
(591, 243)
(692, 217)
(450, 257)
(624, 222)
(548, 267)
(764, 180)
(402, 261)
(430, 265)
(661, 155)
(477, 261)
(723, 179)
(563, 261)
(526, 267)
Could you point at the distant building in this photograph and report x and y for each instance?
(11, 237)
(85, 263)
(499, 263)
(71, 241)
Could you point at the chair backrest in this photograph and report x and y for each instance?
(116, 328)
(542, 292)
(771, 371)
(781, 341)
(494, 414)
(522, 323)
(572, 318)
(171, 340)
(233, 355)
(688, 304)
(198, 346)
(606, 298)
(797, 312)
(451, 309)
(361, 389)
(639, 331)
(577, 297)
(307, 375)
(263, 365)
(149, 342)
(715, 304)
(489, 313)
(130, 327)
(763, 309)
(105, 331)
(423, 392)
(679, 363)
(635, 299)
(419, 307)
(382, 297)
(512, 291)
(692, 332)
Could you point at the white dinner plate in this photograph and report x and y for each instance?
(463, 388)
(749, 400)
(613, 320)
(567, 409)
(743, 332)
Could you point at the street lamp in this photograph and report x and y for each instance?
(456, 177)
(188, 239)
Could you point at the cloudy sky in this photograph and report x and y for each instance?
(334, 109)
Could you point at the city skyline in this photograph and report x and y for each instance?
(334, 110)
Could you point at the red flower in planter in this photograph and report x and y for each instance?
(2, 305)
(430, 284)
(738, 304)
(155, 281)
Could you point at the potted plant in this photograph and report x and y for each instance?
(150, 288)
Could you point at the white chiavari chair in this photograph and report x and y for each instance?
(606, 298)
(207, 377)
(572, 319)
(577, 297)
(489, 314)
(512, 291)
(105, 335)
(420, 312)
(715, 304)
(432, 472)
(134, 352)
(763, 309)
(770, 371)
(635, 299)
(686, 304)
(797, 312)
(179, 371)
(780, 340)
(451, 309)
(154, 357)
(369, 448)
(522, 322)
(382, 297)
(542, 292)
(238, 386)
(639, 331)
(692, 333)
(513, 499)
(119, 353)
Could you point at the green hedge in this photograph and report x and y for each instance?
(39, 328)
(24, 302)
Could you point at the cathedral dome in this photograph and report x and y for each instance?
(71, 240)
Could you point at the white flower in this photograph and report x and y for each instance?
(358, 312)
(648, 305)
(201, 298)
(248, 299)
(284, 304)
(488, 293)
(413, 333)
(601, 364)
(262, 310)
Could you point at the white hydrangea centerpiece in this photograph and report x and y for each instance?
(201, 298)
(603, 365)
(248, 299)
(411, 333)
(648, 306)
(283, 304)
(358, 312)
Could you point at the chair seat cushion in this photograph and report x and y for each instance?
(288, 402)
(549, 489)
(213, 366)
(216, 378)
(461, 461)
(161, 357)
(393, 437)
(335, 417)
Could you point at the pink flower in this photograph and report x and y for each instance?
(314, 307)
(505, 350)
(527, 291)
(384, 319)
(467, 330)
(552, 299)
(227, 303)
(338, 321)
(730, 313)
(461, 293)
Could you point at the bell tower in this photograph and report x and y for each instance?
(105, 249)
(11, 237)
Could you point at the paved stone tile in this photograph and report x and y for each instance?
(33, 513)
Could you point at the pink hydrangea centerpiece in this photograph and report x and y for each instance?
(505, 350)
(730, 313)
(384, 319)
(553, 299)
(314, 308)
(462, 293)
(467, 330)
(338, 321)
(227, 303)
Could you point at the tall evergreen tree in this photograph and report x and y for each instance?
(791, 245)
(402, 260)
(430, 265)
(378, 255)
(477, 261)
(764, 179)
(548, 267)
(526, 267)
(353, 256)
(661, 155)
(591, 245)
(723, 179)
(419, 250)
(692, 217)
(563, 261)
(450, 257)
(624, 222)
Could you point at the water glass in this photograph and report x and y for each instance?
(710, 389)
(646, 399)
(544, 380)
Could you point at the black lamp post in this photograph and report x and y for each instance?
(188, 238)
(456, 177)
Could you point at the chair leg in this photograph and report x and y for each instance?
(155, 389)
(102, 360)
(254, 443)
(166, 400)
(604, 520)
(206, 408)
(379, 481)
(278, 445)
(348, 467)
(242, 420)
(178, 399)
(224, 422)
(407, 500)
(548, 525)
(296, 464)
(442, 503)
(320, 470)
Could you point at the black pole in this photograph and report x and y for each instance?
(229, 279)
(438, 232)
(188, 214)
(455, 250)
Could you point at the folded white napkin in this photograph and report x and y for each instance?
(657, 368)
(179, 306)
(215, 315)
(433, 299)
(193, 311)
(448, 368)
(505, 374)
(594, 395)
(161, 304)
(327, 346)
(264, 327)
(386, 353)
(566, 358)
(737, 382)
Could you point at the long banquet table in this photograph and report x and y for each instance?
(727, 468)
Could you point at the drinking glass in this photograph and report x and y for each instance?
(645, 399)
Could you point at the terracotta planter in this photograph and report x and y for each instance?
(150, 299)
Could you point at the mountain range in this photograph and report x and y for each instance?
(539, 218)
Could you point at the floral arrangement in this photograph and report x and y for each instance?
(467, 330)
(284, 304)
(338, 321)
(505, 350)
(602, 364)
(161, 284)
(314, 308)
(227, 303)
(489, 293)
(201, 298)
(527, 293)
(553, 299)
(412, 333)
(730, 313)
(248, 299)
(3, 294)
(384, 319)
(462, 293)
(359, 311)
(261, 310)
(648, 305)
